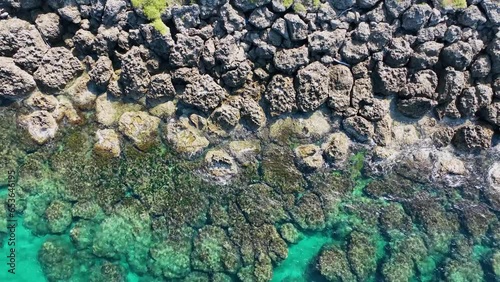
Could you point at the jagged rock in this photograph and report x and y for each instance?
(326, 42)
(187, 51)
(297, 28)
(280, 94)
(140, 127)
(204, 93)
(426, 55)
(49, 26)
(107, 144)
(114, 11)
(159, 43)
(361, 91)
(449, 7)
(161, 87)
(421, 84)
(494, 52)
(84, 41)
(473, 99)
(358, 128)
(492, 10)
(341, 82)
(373, 110)
(102, 71)
(396, 7)
(458, 55)
(65, 109)
(481, 67)
(388, 81)
(134, 77)
(69, 11)
(471, 17)
(279, 27)
(220, 165)
(57, 68)
(308, 157)
(16, 34)
(186, 16)
(451, 85)
(415, 107)
(236, 77)
(245, 151)
(29, 58)
(453, 34)
(81, 93)
(354, 51)
(366, 4)
(24, 4)
(15, 82)
(343, 4)
(250, 5)
(41, 126)
(109, 111)
(416, 17)
(492, 113)
(471, 137)
(209, 8)
(312, 87)
(380, 36)
(232, 19)
(226, 116)
(290, 60)
(398, 52)
(336, 148)
(261, 18)
(253, 114)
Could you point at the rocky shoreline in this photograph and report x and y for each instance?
(261, 99)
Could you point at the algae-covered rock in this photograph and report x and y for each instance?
(171, 259)
(81, 93)
(220, 165)
(333, 265)
(278, 173)
(213, 251)
(290, 129)
(308, 213)
(108, 143)
(56, 259)
(58, 215)
(140, 127)
(185, 138)
(109, 110)
(82, 234)
(361, 255)
(290, 233)
(336, 148)
(261, 204)
(245, 151)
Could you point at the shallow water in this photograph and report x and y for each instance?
(151, 217)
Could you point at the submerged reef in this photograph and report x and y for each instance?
(253, 140)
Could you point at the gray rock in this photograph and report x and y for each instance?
(432, 33)
(187, 51)
(361, 91)
(467, 102)
(416, 17)
(326, 42)
(15, 82)
(494, 52)
(492, 113)
(279, 26)
(358, 128)
(373, 110)
(237, 77)
(209, 8)
(471, 17)
(84, 41)
(70, 12)
(398, 52)
(297, 28)
(134, 77)
(253, 115)
(16, 34)
(421, 84)
(451, 85)
(366, 4)
(308, 157)
(492, 10)
(336, 148)
(261, 18)
(290, 60)
(249, 5)
(458, 55)
(453, 34)
(388, 81)
(416, 107)
(186, 16)
(380, 36)
(57, 68)
(354, 52)
(203, 93)
(341, 82)
(29, 58)
(426, 55)
(156, 42)
(472, 137)
(495, 84)
(49, 26)
(24, 4)
(280, 94)
(161, 87)
(102, 72)
(114, 11)
(396, 7)
(481, 67)
(312, 87)
(226, 116)
(232, 19)
(362, 32)
(343, 4)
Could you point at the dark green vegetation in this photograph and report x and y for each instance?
(150, 214)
